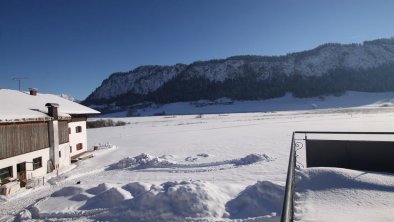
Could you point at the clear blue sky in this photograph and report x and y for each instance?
(70, 46)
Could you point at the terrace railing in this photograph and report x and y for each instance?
(369, 155)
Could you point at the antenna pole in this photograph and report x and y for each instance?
(19, 79)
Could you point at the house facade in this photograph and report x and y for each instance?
(77, 134)
(39, 133)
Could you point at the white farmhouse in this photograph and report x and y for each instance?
(39, 133)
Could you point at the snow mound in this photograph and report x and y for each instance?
(261, 199)
(135, 188)
(143, 161)
(24, 215)
(250, 159)
(99, 189)
(67, 191)
(80, 197)
(167, 156)
(172, 201)
(107, 199)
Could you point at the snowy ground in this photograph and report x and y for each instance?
(219, 167)
(350, 195)
(285, 103)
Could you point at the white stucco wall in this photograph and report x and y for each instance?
(28, 158)
(64, 159)
(76, 138)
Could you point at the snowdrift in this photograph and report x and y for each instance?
(174, 200)
(144, 161)
(106, 199)
(262, 198)
(67, 191)
(170, 201)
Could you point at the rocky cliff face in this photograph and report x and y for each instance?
(268, 76)
(141, 80)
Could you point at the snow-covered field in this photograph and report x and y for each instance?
(217, 167)
(285, 103)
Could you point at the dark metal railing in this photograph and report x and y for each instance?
(288, 203)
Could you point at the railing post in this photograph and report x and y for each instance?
(287, 210)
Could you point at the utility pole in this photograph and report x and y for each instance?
(19, 79)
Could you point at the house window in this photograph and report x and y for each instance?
(37, 163)
(79, 146)
(60, 154)
(21, 167)
(71, 149)
(69, 130)
(5, 172)
(78, 129)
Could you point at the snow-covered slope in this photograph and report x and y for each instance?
(288, 102)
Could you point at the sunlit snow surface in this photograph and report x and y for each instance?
(334, 194)
(219, 167)
(286, 103)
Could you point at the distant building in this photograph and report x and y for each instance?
(39, 133)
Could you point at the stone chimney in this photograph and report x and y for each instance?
(53, 110)
(33, 91)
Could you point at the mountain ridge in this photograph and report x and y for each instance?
(327, 69)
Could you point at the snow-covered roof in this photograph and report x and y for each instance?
(18, 106)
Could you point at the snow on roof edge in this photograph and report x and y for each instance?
(16, 106)
(39, 119)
